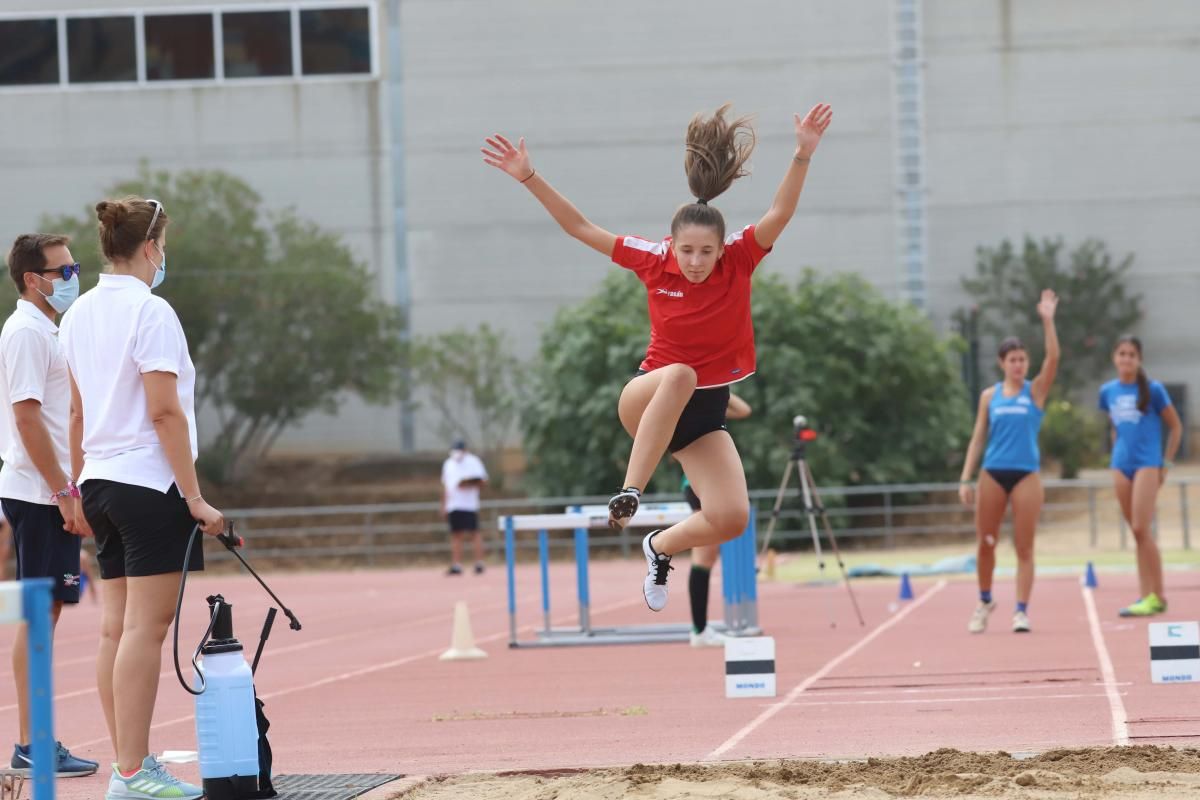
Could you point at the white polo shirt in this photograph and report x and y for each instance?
(111, 336)
(454, 472)
(32, 367)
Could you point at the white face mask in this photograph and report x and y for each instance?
(64, 293)
(160, 270)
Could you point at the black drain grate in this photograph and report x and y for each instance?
(328, 787)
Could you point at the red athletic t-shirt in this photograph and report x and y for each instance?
(704, 325)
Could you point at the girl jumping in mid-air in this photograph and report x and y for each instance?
(701, 335)
(1009, 419)
(1137, 407)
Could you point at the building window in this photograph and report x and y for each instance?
(179, 47)
(28, 52)
(258, 44)
(101, 50)
(335, 41)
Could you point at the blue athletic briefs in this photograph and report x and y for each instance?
(1139, 435)
(1013, 425)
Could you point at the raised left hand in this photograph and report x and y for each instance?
(810, 129)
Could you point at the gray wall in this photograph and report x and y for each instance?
(1076, 118)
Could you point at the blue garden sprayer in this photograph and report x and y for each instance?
(231, 728)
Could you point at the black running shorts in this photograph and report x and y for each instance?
(463, 521)
(139, 531)
(703, 414)
(43, 548)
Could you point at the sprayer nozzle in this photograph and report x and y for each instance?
(230, 539)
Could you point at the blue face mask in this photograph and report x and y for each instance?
(65, 293)
(160, 270)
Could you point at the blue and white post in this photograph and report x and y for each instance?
(510, 562)
(30, 601)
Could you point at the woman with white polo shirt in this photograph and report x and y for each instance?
(133, 446)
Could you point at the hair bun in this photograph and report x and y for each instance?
(111, 213)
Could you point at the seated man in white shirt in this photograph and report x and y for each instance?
(463, 474)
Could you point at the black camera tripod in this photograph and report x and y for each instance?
(812, 509)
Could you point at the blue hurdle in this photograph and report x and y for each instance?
(30, 600)
(738, 578)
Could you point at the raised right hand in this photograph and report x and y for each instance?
(212, 522)
(1048, 304)
(502, 155)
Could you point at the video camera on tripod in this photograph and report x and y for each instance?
(813, 510)
(804, 434)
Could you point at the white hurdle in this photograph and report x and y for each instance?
(738, 572)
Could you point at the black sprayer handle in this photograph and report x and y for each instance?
(230, 539)
(262, 640)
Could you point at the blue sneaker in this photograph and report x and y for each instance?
(68, 766)
(152, 781)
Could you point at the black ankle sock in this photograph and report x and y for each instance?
(633, 489)
(698, 592)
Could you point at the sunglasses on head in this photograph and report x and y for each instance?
(157, 210)
(67, 271)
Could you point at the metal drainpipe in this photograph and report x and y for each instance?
(395, 104)
(908, 97)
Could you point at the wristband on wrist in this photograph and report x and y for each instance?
(70, 490)
(532, 172)
(801, 159)
(191, 500)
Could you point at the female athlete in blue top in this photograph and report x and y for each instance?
(1137, 407)
(1010, 416)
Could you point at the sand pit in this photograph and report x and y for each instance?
(1137, 773)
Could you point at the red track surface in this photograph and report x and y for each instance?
(360, 689)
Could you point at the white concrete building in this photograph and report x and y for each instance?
(1077, 118)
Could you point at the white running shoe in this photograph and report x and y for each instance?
(151, 782)
(657, 567)
(979, 619)
(708, 638)
(1020, 622)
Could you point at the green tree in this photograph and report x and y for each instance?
(872, 377)
(472, 381)
(1073, 436)
(1095, 306)
(279, 315)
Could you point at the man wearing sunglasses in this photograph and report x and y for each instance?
(37, 492)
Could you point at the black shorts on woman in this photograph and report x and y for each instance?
(139, 531)
(704, 413)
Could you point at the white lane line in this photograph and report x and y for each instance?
(953, 700)
(1116, 708)
(372, 669)
(833, 664)
(932, 689)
